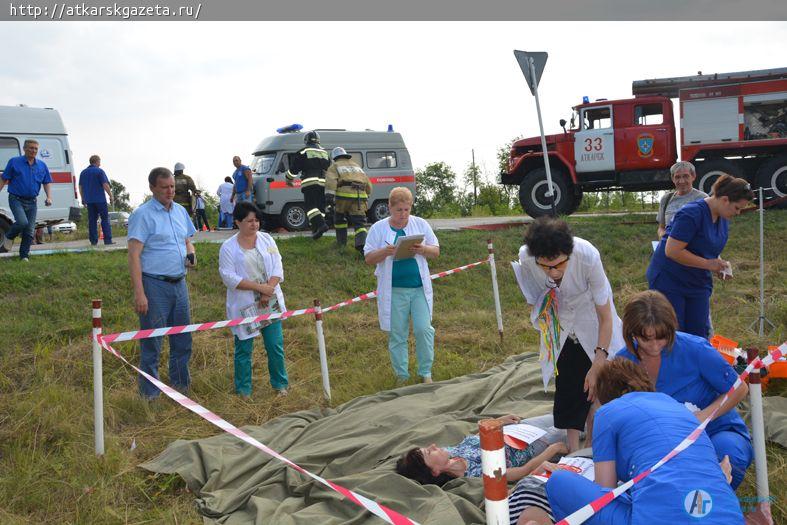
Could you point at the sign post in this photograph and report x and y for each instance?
(532, 65)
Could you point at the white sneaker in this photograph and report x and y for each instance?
(7, 244)
(25, 259)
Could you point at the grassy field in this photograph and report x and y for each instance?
(48, 473)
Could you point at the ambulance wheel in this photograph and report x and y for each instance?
(533, 194)
(4, 227)
(293, 217)
(379, 211)
(772, 177)
(710, 170)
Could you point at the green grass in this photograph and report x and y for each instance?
(48, 473)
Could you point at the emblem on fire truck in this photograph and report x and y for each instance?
(645, 145)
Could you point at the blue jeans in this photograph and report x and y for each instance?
(241, 197)
(274, 346)
(407, 302)
(226, 220)
(24, 210)
(94, 211)
(168, 305)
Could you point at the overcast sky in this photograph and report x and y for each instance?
(148, 94)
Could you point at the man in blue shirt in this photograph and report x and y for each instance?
(94, 188)
(159, 251)
(25, 175)
(244, 183)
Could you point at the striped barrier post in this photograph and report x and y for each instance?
(495, 292)
(98, 381)
(493, 465)
(758, 434)
(326, 382)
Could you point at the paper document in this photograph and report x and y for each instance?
(726, 272)
(582, 466)
(655, 245)
(521, 435)
(404, 243)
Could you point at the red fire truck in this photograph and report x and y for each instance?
(732, 123)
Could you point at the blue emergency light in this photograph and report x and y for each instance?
(292, 128)
(390, 128)
(585, 99)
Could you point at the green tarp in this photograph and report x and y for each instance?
(356, 446)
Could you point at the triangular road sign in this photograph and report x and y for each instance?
(539, 61)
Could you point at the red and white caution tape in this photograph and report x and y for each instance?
(591, 508)
(389, 515)
(198, 327)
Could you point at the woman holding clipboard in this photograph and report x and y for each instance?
(404, 288)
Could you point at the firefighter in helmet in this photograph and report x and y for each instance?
(184, 188)
(347, 189)
(311, 162)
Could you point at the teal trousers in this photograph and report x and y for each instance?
(274, 346)
(406, 303)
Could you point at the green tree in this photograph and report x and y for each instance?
(119, 196)
(503, 156)
(435, 188)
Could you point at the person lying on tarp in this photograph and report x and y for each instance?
(433, 465)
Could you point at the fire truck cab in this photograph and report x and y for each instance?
(732, 123)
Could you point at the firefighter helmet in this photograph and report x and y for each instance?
(311, 137)
(339, 152)
(179, 166)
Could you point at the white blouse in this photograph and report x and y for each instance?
(583, 287)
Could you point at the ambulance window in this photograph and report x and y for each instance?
(262, 164)
(597, 118)
(648, 115)
(381, 159)
(8, 148)
(357, 157)
(52, 153)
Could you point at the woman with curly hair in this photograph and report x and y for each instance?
(554, 265)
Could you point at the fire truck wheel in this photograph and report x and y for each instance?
(773, 174)
(533, 193)
(293, 217)
(4, 227)
(710, 170)
(379, 211)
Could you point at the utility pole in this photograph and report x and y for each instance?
(475, 179)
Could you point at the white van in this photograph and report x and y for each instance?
(19, 123)
(381, 154)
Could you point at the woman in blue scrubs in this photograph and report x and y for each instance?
(691, 371)
(633, 430)
(689, 252)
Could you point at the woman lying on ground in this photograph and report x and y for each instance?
(434, 465)
(634, 428)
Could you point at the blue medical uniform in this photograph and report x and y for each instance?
(693, 371)
(636, 431)
(689, 289)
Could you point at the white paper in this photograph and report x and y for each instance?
(524, 432)
(404, 243)
(582, 466)
(655, 245)
(726, 272)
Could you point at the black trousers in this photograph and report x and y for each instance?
(314, 198)
(571, 401)
(199, 217)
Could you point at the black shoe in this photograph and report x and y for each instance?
(320, 231)
(110, 243)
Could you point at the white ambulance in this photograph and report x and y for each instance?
(382, 155)
(19, 123)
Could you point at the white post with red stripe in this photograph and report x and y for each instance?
(326, 382)
(495, 292)
(758, 436)
(493, 466)
(98, 381)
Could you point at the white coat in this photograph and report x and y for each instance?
(380, 235)
(232, 268)
(583, 287)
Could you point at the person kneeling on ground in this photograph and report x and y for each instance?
(434, 465)
(634, 429)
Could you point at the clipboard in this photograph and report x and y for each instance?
(403, 245)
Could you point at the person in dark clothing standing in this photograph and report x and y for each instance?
(94, 188)
(311, 162)
(184, 189)
(200, 216)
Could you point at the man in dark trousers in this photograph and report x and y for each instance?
(311, 162)
(94, 188)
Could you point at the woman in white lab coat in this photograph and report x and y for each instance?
(404, 288)
(250, 266)
(590, 331)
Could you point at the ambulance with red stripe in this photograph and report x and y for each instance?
(19, 123)
(382, 155)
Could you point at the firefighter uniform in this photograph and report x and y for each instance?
(348, 185)
(184, 188)
(311, 162)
